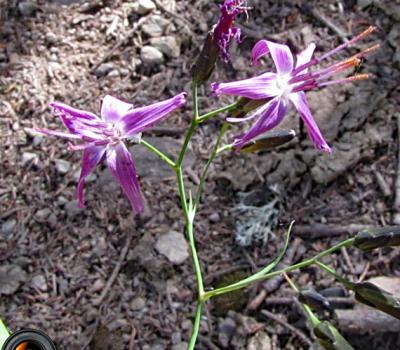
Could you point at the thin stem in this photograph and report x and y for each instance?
(196, 326)
(189, 212)
(334, 274)
(209, 162)
(191, 128)
(313, 319)
(182, 194)
(300, 265)
(195, 102)
(211, 114)
(225, 148)
(155, 150)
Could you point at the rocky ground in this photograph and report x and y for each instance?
(59, 262)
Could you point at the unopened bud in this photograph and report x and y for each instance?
(371, 295)
(330, 338)
(377, 238)
(205, 63)
(245, 106)
(269, 140)
(314, 300)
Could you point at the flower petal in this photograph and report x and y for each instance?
(260, 49)
(140, 119)
(121, 165)
(281, 55)
(113, 109)
(270, 115)
(92, 156)
(260, 87)
(78, 113)
(56, 133)
(305, 56)
(80, 122)
(300, 101)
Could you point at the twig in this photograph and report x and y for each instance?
(114, 274)
(383, 185)
(396, 206)
(127, 36)
(347, 260)
(365, 271)
(286, 301)
(302, 337)
(328, 23)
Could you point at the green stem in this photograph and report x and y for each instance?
(155, 150)
(225, 148)
(334, 274)
(257, 277)
(196, 326)
(189, 212)
(211, 114)
(209, 162)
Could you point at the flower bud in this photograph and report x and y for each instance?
(205, 63)
(330, 338)
(245, 106)
(377, 238)
(269, 140)
(371, 295)
(314, 300)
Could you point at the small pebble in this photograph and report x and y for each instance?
(151, 56)
(9, 226)
(62, 166)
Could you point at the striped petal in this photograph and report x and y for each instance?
(260, 87)
(121, 165)
(113, 109)
(305, 56)
(140, 119)
(92, 155)
(300, 101)
(281, 55)
(270, 115)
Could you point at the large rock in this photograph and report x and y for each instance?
(149, 165)
(173, 246)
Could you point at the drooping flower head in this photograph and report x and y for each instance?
(224, 31)
(288, 84)
(103, 138)
(218, 40)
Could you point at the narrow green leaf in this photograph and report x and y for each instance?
(278, 259)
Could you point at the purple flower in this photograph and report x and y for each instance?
(224, 31)
(103, 138)
(288, 84)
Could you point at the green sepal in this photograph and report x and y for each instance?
(330, 338)
(373, 296)
(370, 239)
(269, 140)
